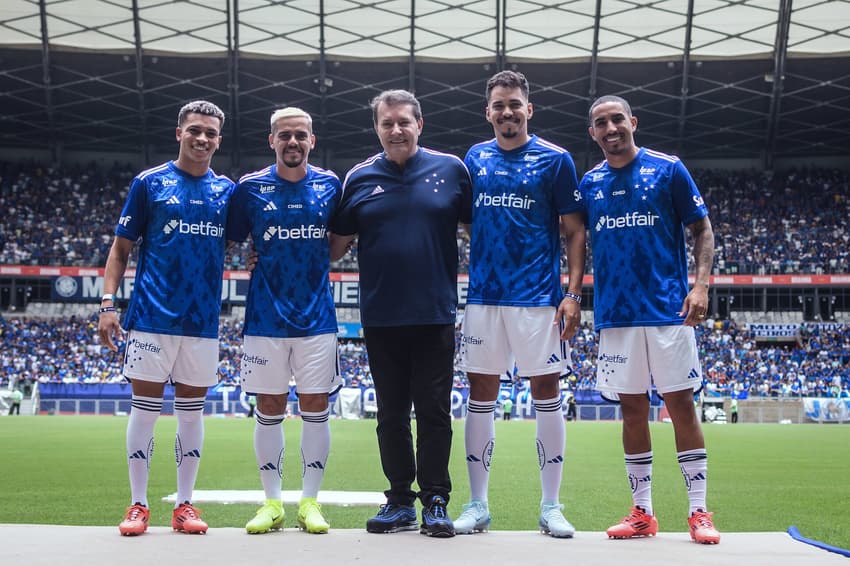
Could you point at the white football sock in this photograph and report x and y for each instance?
(551, 438)
(479, 434)
(140, 425)
(188, 444)
(269, 446)
(315, 446)
(694, 465)
(639, 472)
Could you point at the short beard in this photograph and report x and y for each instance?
(293, 165)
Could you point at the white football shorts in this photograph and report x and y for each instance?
(163, 358)
(632, 359)
(268, 364)
(493, 338)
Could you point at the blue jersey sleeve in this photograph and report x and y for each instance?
(567, 197)
(133, 219)
(687, 200)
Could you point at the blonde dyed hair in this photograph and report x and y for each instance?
(290, 112)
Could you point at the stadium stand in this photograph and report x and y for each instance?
(795, 222)
(815, 364)
(790, 223)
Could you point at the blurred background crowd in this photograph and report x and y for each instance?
(795, 222)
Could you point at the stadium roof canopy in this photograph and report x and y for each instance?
(754, 79)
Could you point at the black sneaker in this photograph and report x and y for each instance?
(435, 519)
(392, 518)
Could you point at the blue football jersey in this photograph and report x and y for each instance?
(518, 196)
(181, 222)
(290, 294)
(637, 217)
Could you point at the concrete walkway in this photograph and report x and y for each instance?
(35, 545)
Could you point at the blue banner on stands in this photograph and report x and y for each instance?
(231, 399)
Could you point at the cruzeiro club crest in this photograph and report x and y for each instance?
(66, 286)
(487, 454)
(179, 455)
(634, 481)
(542, 459)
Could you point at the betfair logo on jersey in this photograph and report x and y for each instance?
(472, 340)
(633, 220)
(194, 228)
(125, 220)
(259, 360)
(302, 232)
(505, 201)
(148, 347)
(613, 358)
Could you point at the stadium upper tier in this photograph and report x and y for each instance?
(755, 80)
(380, 29)
(796, 222)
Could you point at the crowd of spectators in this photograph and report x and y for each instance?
(59, 217)
(765, 223)
(817, 364)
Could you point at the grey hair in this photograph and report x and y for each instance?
(395, 98)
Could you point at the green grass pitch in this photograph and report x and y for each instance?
(72, 471)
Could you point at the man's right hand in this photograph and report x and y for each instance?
(107, 327)
(251, 260)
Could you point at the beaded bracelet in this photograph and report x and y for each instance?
(108, 309)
